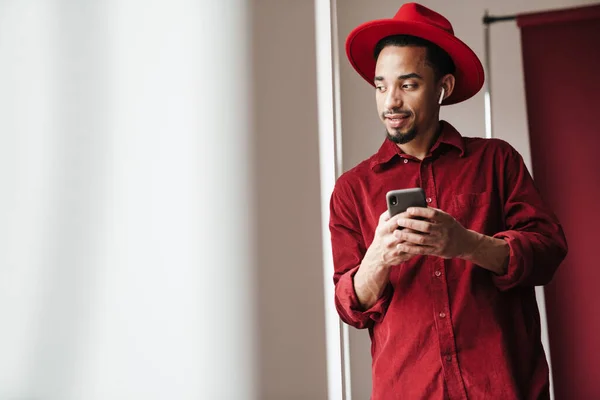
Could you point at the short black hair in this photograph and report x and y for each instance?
(436, 58)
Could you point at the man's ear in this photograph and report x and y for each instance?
(447, 87)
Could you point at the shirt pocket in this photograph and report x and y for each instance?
(474, 210)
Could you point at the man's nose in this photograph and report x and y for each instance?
(393, 99)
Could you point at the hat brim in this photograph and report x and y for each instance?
(361, 43)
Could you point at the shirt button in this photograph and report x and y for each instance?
(429, 199)
(405, 161)
(442, 315)
(438, 273)
(448, 358)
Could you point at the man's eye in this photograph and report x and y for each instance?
(410, 86)
(379, 88)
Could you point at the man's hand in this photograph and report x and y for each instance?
(441, 235)
(383, 253)
(438, 235)
(384, 250)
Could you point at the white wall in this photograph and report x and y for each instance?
(363, 133)
(115, 259)
(160, 229)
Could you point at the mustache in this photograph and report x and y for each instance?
(396, 111)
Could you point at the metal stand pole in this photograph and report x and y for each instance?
(488, 78)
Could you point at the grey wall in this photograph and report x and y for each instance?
(291, 301)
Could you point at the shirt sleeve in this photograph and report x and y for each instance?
(348, 246)
(535, 238)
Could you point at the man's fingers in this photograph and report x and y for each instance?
(395, 238)
(411, 236)
(414, 249)
(387, 224)
(415, 225)
(384, 216)
(390, 241)
(425, 212)
(390, 225)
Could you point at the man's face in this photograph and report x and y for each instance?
(406, 92)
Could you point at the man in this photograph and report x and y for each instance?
(449, 300)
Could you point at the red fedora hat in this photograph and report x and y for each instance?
(417, 20)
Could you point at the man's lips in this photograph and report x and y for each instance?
(396, 120)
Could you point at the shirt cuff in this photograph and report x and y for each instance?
(519, 261)
(349, 307)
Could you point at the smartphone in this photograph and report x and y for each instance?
(399, 200)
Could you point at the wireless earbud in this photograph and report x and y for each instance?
(442, 96)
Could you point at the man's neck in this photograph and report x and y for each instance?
(419, 147)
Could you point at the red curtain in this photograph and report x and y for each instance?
(561, 59)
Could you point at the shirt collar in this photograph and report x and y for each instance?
(389, 150)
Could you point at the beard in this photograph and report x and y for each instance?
(396, 135)
(402, 138)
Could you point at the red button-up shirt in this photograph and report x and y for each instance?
(448, 328)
